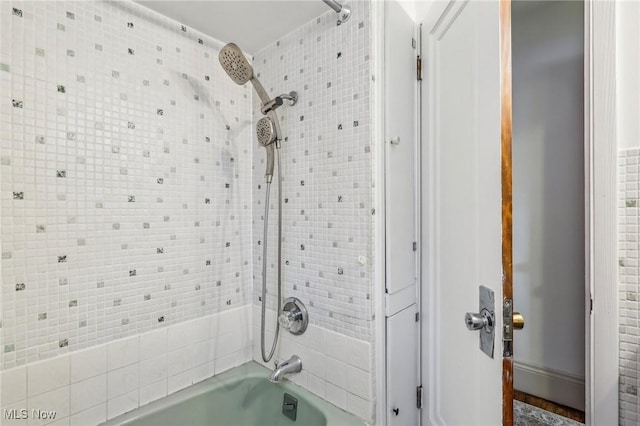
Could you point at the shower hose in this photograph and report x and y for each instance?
(265, 357)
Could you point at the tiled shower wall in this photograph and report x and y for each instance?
(327, 165)
(125, 177)
(327, 172)
(629, 283)
(133, 195)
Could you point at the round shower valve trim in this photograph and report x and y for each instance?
(294, 316)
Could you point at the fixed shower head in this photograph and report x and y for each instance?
(235, 64)
(267, 134)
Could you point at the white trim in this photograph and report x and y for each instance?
(552, 385)
(417, 119)
(601, 172)
(587, 212)
(418, 169)
(377, 11)
(428, 192)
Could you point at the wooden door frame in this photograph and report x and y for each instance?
(601, 266)
(601, 340)
(506, 139)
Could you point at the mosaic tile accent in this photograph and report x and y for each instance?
(327, 170)
(628, 284)
(110, 145)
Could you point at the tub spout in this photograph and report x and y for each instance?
(292, 365)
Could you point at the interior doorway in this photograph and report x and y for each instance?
(548, 205)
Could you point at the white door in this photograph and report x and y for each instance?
(463, 137)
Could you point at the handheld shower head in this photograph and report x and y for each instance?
(238, 67)
(267, 135)
(235, 64)
(266, 131)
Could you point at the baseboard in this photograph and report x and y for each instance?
(552, 385)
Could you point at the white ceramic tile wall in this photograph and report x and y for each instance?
(327, 168)
(125, 164)
(92, 385)
(328, 205)
(336, 367)
(628, 287)
(125, 194)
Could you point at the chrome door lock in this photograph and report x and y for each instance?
(484, 321)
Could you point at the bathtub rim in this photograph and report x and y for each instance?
(335, 416)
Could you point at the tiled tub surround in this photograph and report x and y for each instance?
(92, 385)
(125, 177)
(336, 367)
(327, 168)
(328, 205)
(628, 287)
(136, 194)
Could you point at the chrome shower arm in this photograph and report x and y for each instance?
(337, 7)
(292, 97)
(343, 12)
(278, 101)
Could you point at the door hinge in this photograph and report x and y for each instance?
(419, 68)
(417, 316)
(414, 43)
(415, 246)
(507, 328)
(419, 397)
(591, 305)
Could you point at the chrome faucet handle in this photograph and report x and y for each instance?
(287, 319)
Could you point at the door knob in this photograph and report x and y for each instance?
(477, 321)
(518, 321)
(484, 320)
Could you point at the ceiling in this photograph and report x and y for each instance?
(251, 24)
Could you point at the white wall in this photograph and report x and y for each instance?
(548, 201)
(628, 73)
(416, 9)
